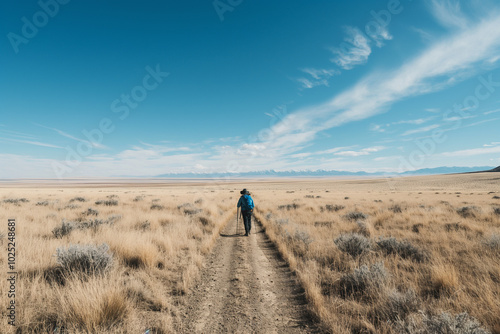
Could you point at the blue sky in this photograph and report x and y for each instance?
(97, 89)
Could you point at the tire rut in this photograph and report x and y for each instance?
(246, 288)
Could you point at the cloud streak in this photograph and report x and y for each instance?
(31, 142)
(428, 72)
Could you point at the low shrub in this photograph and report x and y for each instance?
(15, 200)
(64, 229)
(332, 208)
(88, 259)
(355, 215)
(363, 228)
(402, 248)
(396, 208)
(109, 202)
(492, 242)
(353, 244)
(468, 211)
(399, 305)
(289, 207)
(157, 207)
(363, 280)
(90, 212)
(443, 323)
(77, 199)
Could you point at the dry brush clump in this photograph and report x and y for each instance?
(353, 244)
(363, 281)
(443, 323)
(89, 259)
(402, 248)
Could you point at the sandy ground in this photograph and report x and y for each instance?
(246, 288)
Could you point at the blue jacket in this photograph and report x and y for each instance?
(246, 202)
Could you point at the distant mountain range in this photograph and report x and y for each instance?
(322, 173)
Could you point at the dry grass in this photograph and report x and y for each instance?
(440, 252)
(156, 249)
(421, 259)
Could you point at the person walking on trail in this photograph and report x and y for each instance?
(246, 205)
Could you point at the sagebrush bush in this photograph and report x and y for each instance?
(138, 198)
(289, 207)
(496, 211)
(192, 211)
(108, 202)
(91, 223)
(396, 208)
(468, 211)
(363, 280)
(302, 236)
(363, 228)
(85, 258)
(355, 215)
(67, 227)
(443, 323)
(157, 207)
(493, 242)
(64, 229)
(353, 243)
(78, 199)
(399, 305)
(16, 200)
(335, 207)
(189, 209)
(281, 221)
(42, 203)
(402, 248)
(90, 212)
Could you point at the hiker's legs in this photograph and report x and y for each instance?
(246, 220)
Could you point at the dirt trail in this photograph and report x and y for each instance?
(246, 288)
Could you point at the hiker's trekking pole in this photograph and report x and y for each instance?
(237, 215)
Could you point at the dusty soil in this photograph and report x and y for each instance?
(246, 288)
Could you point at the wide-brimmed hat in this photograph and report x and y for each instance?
(244, 192)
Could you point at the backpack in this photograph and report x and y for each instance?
(246, 203)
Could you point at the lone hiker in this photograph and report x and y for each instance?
(246, 204)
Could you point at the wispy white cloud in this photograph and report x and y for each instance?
(420, 130)
(495, 143)
(356, 47)
(354, 51)
(491, 112)
(383, 127)
(365, 151)
(424, 35)
(319, 74)
(417, 121)
(449, 13)
(427, 72)
(67, 135)
(17, 134)
(30, 142)
(382, 36)
(472, 152)
(482, 122)
(318, 77)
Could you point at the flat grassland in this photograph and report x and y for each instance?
(404, 255)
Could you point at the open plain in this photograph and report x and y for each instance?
(399, 255)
